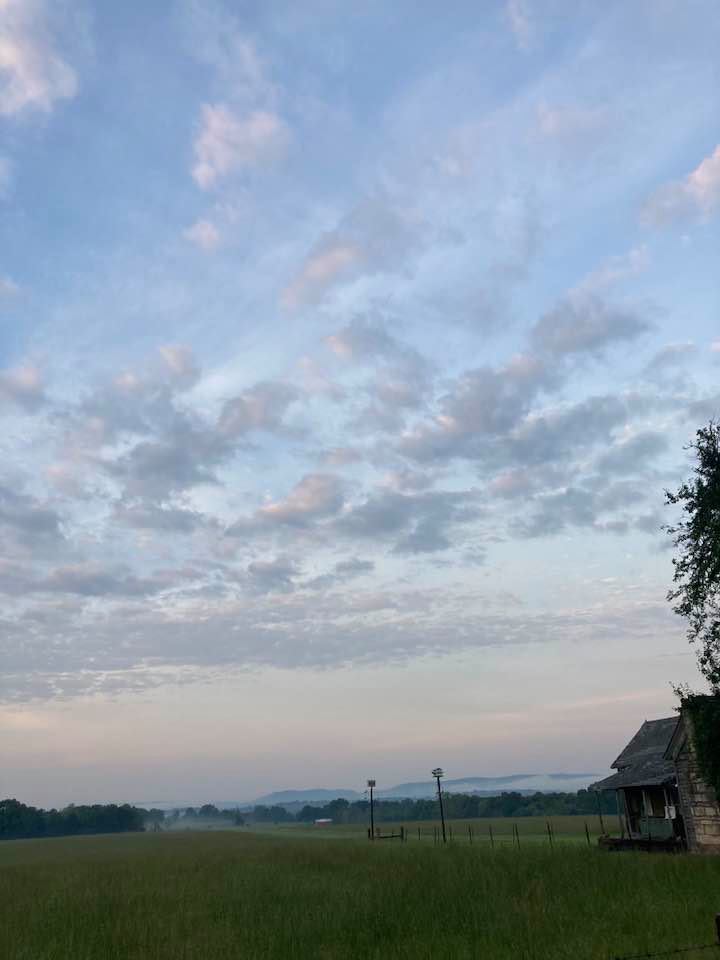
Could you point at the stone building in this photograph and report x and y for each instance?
(698, 800)
(663, 802)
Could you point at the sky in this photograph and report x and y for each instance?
(346, 352)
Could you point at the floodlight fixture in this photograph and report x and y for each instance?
(438, 772)
(371, 783)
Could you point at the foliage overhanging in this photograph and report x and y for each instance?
(696, 594)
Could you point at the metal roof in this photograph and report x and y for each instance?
(654, 772)
(651, 740)
(642, 763)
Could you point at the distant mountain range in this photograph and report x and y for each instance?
(487, 786)
(525, 783)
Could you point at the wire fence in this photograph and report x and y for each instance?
(492, 836)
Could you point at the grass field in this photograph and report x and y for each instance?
(240, 894)
(494, 832)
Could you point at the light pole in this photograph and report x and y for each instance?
(438, 773)
(371, 784)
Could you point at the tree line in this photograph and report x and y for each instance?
(463, 806)
(457, 806)
(19, 821)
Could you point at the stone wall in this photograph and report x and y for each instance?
(700, 808)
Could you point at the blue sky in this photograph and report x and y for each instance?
(346, 351)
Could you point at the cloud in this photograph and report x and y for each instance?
(92, 580)
(614, 270)
(316, 495)
(571, 123)
(28, 517)
(23, 387)
(554, 436)
(296, 629)
(161, 519)
(342, 572)
(141, 433)
(417, 523)
(375, 237)
(32, 74)
(695, 197)
(584, 323)
(340, 456)
(512, 484)
(215, 38)
(518, 15)
(180, 364)
(672, 355)
(481, 404)
(227, 143)
(8, 288)
(585, 505)
(634, 454)
(402, 375)
(362, 340)
(184, 455)
(321, 270)
(278, 575)
(261, 407)
(204, 234)
(555, 511)
(133, 403)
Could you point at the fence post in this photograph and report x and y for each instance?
(470, 833)
(550, 837)
(418, 833)
(492, 839)
(587, 833)
(451, 835)
(517, 834)
(599, 806)
(717, 926)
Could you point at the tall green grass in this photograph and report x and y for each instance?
(213, 896)
(500, 829)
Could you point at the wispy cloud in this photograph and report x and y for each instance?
(376, 236)
(33, 75)
(697, 196)
(521, 24)
(228, 143)
(204, 234)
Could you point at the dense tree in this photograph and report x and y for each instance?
(274, 814)
(462, 806)
(696, 594)
(18, 821)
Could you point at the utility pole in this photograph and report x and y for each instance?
(371, 784)
(438, 773)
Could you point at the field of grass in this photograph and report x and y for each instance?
(493, 832)
(240, 894)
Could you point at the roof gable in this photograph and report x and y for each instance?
(677, 740)
(651, 741)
